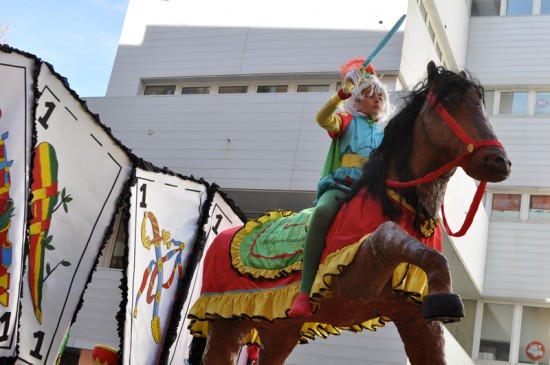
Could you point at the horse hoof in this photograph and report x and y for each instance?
(444, 307)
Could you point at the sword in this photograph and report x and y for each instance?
(384, 41)
(349, 84)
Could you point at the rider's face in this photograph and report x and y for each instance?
(371, 105)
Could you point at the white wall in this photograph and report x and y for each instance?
(274, 141)
(517, 261)
(510, 50)
(454, 353)
(418, 48)
(180, 38)
(453, 23)
(383, 347)
(96, 321)
(472, 247)
(526, 142)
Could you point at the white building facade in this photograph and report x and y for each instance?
(230, 96)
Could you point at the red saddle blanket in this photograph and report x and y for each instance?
(230, 292)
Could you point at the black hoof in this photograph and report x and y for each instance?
(444, 307)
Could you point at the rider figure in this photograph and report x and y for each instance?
(355, 134)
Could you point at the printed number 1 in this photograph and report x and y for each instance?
(44, 120)
(215, 228)
(40, 339)
(5, 320)
(143, 189)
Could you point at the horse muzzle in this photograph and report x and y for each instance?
(489, 164)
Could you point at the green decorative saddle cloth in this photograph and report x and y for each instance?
(271, 246)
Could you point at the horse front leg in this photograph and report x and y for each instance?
(423, 340)
(392, 246)
(225, 339)
(278, 341)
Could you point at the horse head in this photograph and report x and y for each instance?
(454, 124)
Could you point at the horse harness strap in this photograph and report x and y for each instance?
(462, 160)
(352, 160)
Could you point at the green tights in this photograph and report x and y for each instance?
(327, 206)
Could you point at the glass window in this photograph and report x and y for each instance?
(485, 7)
(543, 102)
(431, 31)
(539, 207)
(513, 103)
(233, 90)
(312, 88)
(535, 336)
(506, 206)
(195, 90)
(489, 101)
(160, 90)
(519, 7)
(545, 6)
(423, 11)
(272, 89)
(496, 332)
(118, 250)
(463, 331)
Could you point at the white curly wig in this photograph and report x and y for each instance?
(352, 104)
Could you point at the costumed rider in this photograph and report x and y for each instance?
(355, 134)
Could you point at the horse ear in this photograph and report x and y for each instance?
(432, 74)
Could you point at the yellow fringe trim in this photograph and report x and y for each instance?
(235, 248)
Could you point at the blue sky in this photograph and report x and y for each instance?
(78, 37)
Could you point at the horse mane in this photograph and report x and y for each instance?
(396, 146)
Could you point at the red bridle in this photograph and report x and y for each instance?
(471, 147)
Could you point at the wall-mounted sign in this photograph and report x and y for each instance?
(535, 350)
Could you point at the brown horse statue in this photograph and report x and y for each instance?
(382, 261)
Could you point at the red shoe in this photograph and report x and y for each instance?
(301, 307)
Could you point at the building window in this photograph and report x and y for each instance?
(272, 89)
(539, 207)
(160, 90)
(489, 101)
(506, 206)
(519, 7)
(117, 257)
(496, 332)
(534, 339)
(312, 88)
(463, 331)
(423, 11)
(545, 6)
(513, 103)
(187, 90)
(233, 90)
(485, 7)
(543, 102)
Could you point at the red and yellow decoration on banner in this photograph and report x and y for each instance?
(45, 197)
(156, 268)
(6, 212)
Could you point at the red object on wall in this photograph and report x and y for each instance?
(535, 350)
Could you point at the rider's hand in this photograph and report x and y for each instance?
(352, 79)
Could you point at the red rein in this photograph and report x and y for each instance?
(471, 147)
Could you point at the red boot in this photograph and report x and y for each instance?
(301, 307)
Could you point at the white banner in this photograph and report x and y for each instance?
(16, 105)
(223, 215)
(165, 212)
(78, 174)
